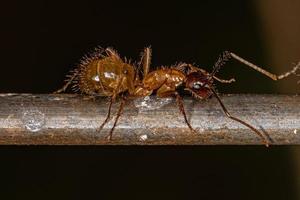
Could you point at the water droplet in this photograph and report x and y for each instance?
(55, 98)
(143, 137)
(151, 103)
(33, 120)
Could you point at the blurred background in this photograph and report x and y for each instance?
(42, 40)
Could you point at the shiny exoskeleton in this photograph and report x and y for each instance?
(104, 73)
(109, 75)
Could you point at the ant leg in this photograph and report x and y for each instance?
(112, 99)
(123, 101)
(181, 108)
(146, 60)
(239, 120)
(69, 81)
(167, 91)
(223, 80)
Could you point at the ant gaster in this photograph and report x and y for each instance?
(104, 73)
(109, 75)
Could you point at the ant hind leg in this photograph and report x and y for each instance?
(121, 107)
(112, 99)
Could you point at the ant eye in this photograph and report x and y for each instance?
(197, 85)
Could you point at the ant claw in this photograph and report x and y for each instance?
(194, 131)
(109, 137)
(266, 143)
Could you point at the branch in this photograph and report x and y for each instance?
(74, 119)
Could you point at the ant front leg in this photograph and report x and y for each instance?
(239, 120)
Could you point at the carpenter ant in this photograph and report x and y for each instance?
(110, 76)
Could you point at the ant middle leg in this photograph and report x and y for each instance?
(167, 91)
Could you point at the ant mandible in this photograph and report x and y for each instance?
(111, 76)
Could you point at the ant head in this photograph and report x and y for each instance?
(199, 84)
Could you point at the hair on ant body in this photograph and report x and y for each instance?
(105, 73)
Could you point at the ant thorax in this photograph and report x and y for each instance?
(163, 82)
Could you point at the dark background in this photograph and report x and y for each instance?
(42, 40)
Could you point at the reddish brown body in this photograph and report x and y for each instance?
(164, 81)
(105, 73)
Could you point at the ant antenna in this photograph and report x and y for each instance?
(226, 55)
(259, 69)
(237, 119)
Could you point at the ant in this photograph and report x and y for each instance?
(105, 73)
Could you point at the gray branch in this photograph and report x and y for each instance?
(74, 119)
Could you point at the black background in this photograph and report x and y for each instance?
(42, 40)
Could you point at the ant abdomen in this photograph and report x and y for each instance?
(107, 76)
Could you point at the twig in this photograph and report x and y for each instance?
(73, 119)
